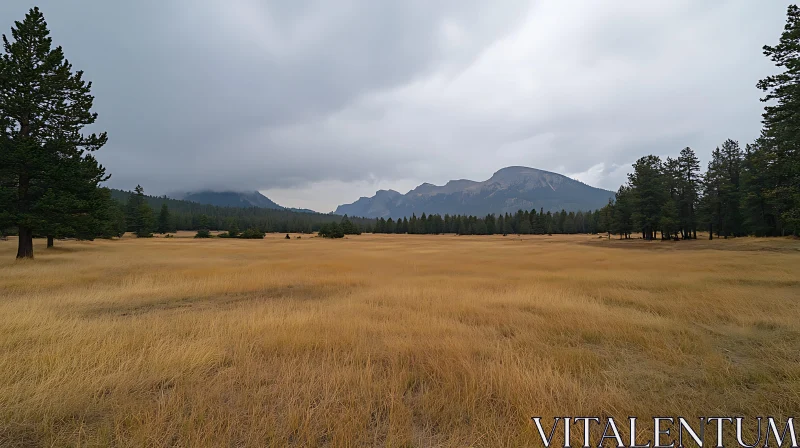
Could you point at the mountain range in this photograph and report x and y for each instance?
(507, 191)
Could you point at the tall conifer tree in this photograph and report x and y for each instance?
(44, 106)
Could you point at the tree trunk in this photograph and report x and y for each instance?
(25, 246)
(49, 241)
(710, 231)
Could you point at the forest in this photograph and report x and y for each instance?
(143, 215)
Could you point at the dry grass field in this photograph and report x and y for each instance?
(381, 340)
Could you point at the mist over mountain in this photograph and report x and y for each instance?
(508, 190)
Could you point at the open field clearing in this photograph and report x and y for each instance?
(382, 340)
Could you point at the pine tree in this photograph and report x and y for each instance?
(670, 221)
(47, 174)
(164, 220)
(348, 227)
(780, 142)
(622, 213)
(732, 159)
(140, 214)
(689, 191)
(758, 204)
(145, 227)
(721, 199)
(648, 194)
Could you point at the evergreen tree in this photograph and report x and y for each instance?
(622, 215)
(732, 157)
(331, 230)
(648, 196)
(689, 191)
(164, 220)
(721, 199)
(421, 222)
(255, 234)
(108, 215)
(780, 142)
(140, 215)
(669, 222)
(348, 228)
(758, 204)
(539, 227)
(48, 177)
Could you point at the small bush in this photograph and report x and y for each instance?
(203, 233)
(169, 235)
(252, 234)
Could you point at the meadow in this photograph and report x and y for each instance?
(387, 340)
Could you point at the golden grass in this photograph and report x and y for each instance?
(382, 340)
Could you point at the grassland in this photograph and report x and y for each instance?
(382, 340)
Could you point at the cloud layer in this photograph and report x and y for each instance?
(317, 103)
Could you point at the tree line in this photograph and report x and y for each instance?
(136, 212)
(523, 222)
(755, 191)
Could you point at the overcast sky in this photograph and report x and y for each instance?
(318, 102)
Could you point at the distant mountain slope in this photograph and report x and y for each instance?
(242, 199)
(507, 191)
(231, 199)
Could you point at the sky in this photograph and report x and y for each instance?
(316, 103)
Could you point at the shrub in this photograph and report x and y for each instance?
(252, 234)
(203, 233)
(169, 235)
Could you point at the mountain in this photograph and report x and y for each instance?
(508, 190)
(231, 199)
(236, 199)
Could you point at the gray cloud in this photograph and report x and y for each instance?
(318, 102)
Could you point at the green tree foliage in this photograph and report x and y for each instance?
(203, 233)
(622, 213)
(48, 177)
(648, 194)
(164, 221)
(139, 214)
(331, 230)
(252, 234)
(688, 192)
(775, 159)
(348, 228)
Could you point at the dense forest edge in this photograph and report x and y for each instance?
(51, 185)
